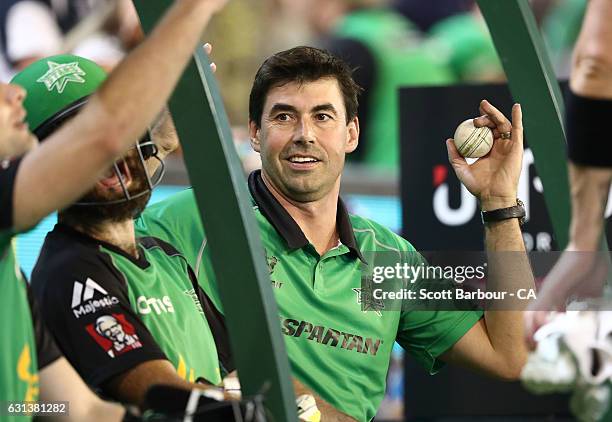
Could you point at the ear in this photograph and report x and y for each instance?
(352, 136)
(254, 135)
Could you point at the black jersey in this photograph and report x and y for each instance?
(110, 311)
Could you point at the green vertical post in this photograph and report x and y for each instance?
(533, 84)
(236, 250)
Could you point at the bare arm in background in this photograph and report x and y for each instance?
(581, 269)
(60, 382)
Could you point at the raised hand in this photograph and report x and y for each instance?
(493, 179)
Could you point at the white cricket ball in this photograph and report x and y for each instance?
(471, 141)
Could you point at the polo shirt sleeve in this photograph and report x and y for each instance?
(426, 334)
(87, 309)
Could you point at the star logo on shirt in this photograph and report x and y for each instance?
(272, 261)
(366, 299)
(60, 74)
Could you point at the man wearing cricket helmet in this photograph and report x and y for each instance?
(92, 266)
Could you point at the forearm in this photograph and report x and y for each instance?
(509, 271)
(94, 409)
(589, 194)
(328, 412)
(132, 386)
(60, 382)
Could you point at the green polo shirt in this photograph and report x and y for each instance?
(18, 358)
(336, 349)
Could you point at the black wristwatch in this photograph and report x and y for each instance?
(517, 211)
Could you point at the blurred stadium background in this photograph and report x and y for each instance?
(447, 46)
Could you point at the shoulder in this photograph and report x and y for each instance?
(64, 253)
(170, 216)
(373, 236)
(150, 243)
(178, 203)
(65, 262)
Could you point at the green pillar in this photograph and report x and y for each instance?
(533, 84)
(236, 250)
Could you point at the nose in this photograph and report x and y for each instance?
(304, 132)
(14, 94)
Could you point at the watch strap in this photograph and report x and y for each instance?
(516, 211)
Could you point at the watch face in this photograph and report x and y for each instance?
(522, 219)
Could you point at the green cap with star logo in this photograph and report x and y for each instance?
(55, 83)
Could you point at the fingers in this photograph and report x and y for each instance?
(529, 331)
(495, 120)
(208, 48)
(500, 122)
(533, 321)
(483, 121)
(454, 158)
(517, 124)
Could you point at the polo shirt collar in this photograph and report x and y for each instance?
(286, 226)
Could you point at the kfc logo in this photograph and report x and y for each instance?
(114, 334)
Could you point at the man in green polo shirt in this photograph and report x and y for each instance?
(303, 122)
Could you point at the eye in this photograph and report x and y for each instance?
(323, 117)
(282, 117)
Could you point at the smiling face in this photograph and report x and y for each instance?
(303, 138)
(112, 330)
(110, 198)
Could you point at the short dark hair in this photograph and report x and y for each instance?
(302, 64)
